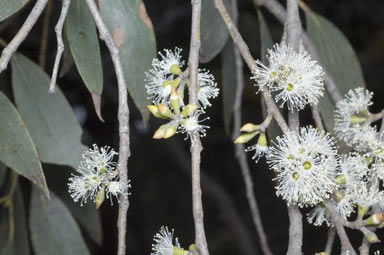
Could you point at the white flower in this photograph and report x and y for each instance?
(297, 79)
(164, 242)
(191, 125)
(354, 168)
(98, 159)
(305, 163)
(168, 60)
(345, 206)
(115, 188)
(367, 196)
(319, 215)
(207, 88)
(158, 90)
(351, 114)
(260, 151)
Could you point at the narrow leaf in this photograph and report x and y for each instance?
(49, 117)
(17, 150)
(9, 7)
(133, 33)
(338, 58)
(214, 32)
(53, 229)
(84, 45)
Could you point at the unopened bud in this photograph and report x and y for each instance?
(172, 83)
(155, 111)
(175, 101)
(188, 110)
(340, 179)
(159, 134)
(178, 251)
(375, 219)
(175, 69)
(372, 237)
(357, 120)
(100, 197)
(164, 110)
(170, 131)
(249, 127)
(361, 211)
(192, 247)
(244, 138)
(322, 253)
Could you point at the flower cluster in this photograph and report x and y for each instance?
(97, 177)
(294, 76)
(165, 83)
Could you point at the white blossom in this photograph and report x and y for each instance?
(164, 242)
(319, 215)
(206, 88)
(158, 90)
(294, 76)
(305, 162)
(167, 61)
(192, 127)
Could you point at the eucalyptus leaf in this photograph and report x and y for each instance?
(84, 45)
(339, 59)
(49, 117)
(53, 229)
(9, 7)
(214, 33)
(17, 150)
(133, 34)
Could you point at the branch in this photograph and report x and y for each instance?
(316, 117)
(330, 240)
(21, 34)
(123, 116)
(60, 43)
(196, 147)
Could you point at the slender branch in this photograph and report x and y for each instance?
(123, 117)
(44, 35)
(330, 240)
(316, 117)
(196, 147)
(240, 152)
(21, 34)
(60, 43)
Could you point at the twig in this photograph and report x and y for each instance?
(280, 13)
(316, 117)
(330, 240)
(60, 44)
(21, 34)
(44, 35)
(240, 153)
(246, 54)
(123, 116)
(196, 147)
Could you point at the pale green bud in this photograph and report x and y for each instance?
(175, 101)
(372, 237)
(262, 141)
(375, 219)
(188, 110)
(361, 211)
(100, 197)
(173, 83)
(244, 138)
(155, 111)
(357, 120)
(175, 69)
(170, 131)
(249, 127)
(160, 132)
(164, 110)
(340, 179)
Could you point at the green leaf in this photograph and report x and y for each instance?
(9, 7)
(53, 229)
(20, 242)
(17, 150)
(84, 45)
(133, 34)
(338, 57)
(87, 215)
(228, 83)
(214, 33)
(49, 117)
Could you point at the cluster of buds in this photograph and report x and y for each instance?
(261, 147)
(165, 83)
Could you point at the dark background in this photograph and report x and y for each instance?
(159, 170)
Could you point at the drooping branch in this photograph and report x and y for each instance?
(330, 239)
(22, 33)
(60, 43)
(44, 35)
(123, 117)
(196, 146)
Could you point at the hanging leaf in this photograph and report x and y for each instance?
(229, 83)
(87, 215)
(214, 33)
(84, 45)
(337, 56)
(49, 117)
(9, 7)
(53, 229)
(17, 150)
(20, 242)
(132, 31)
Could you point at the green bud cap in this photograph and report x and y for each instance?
(159, 134)
(372, 237)
(375, 219)
(173, 83)
(175, 101)
(188, 110)
(357, 120)
(246, 137)
(164, 110)
(170, 131)
(100, 197)
(192, 247)
(249, 127)
(361, 211)
(340, 179)
(262, 141)
(178, 251)
(155, 111)
(175, 69)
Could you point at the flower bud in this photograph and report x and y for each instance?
(249, 127)
(170, 131)
(322, 253)
(175, 69)
(371, 237)
(192, 247)
(175, 101)
(164, 110)
(357, 120)
(178, 251)
(100, 197)
(159, 134)
(361, 211)
(155, 111)
(188, 110)
(246, 137)
(340, 179)
(375, 219)
(173, 83)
